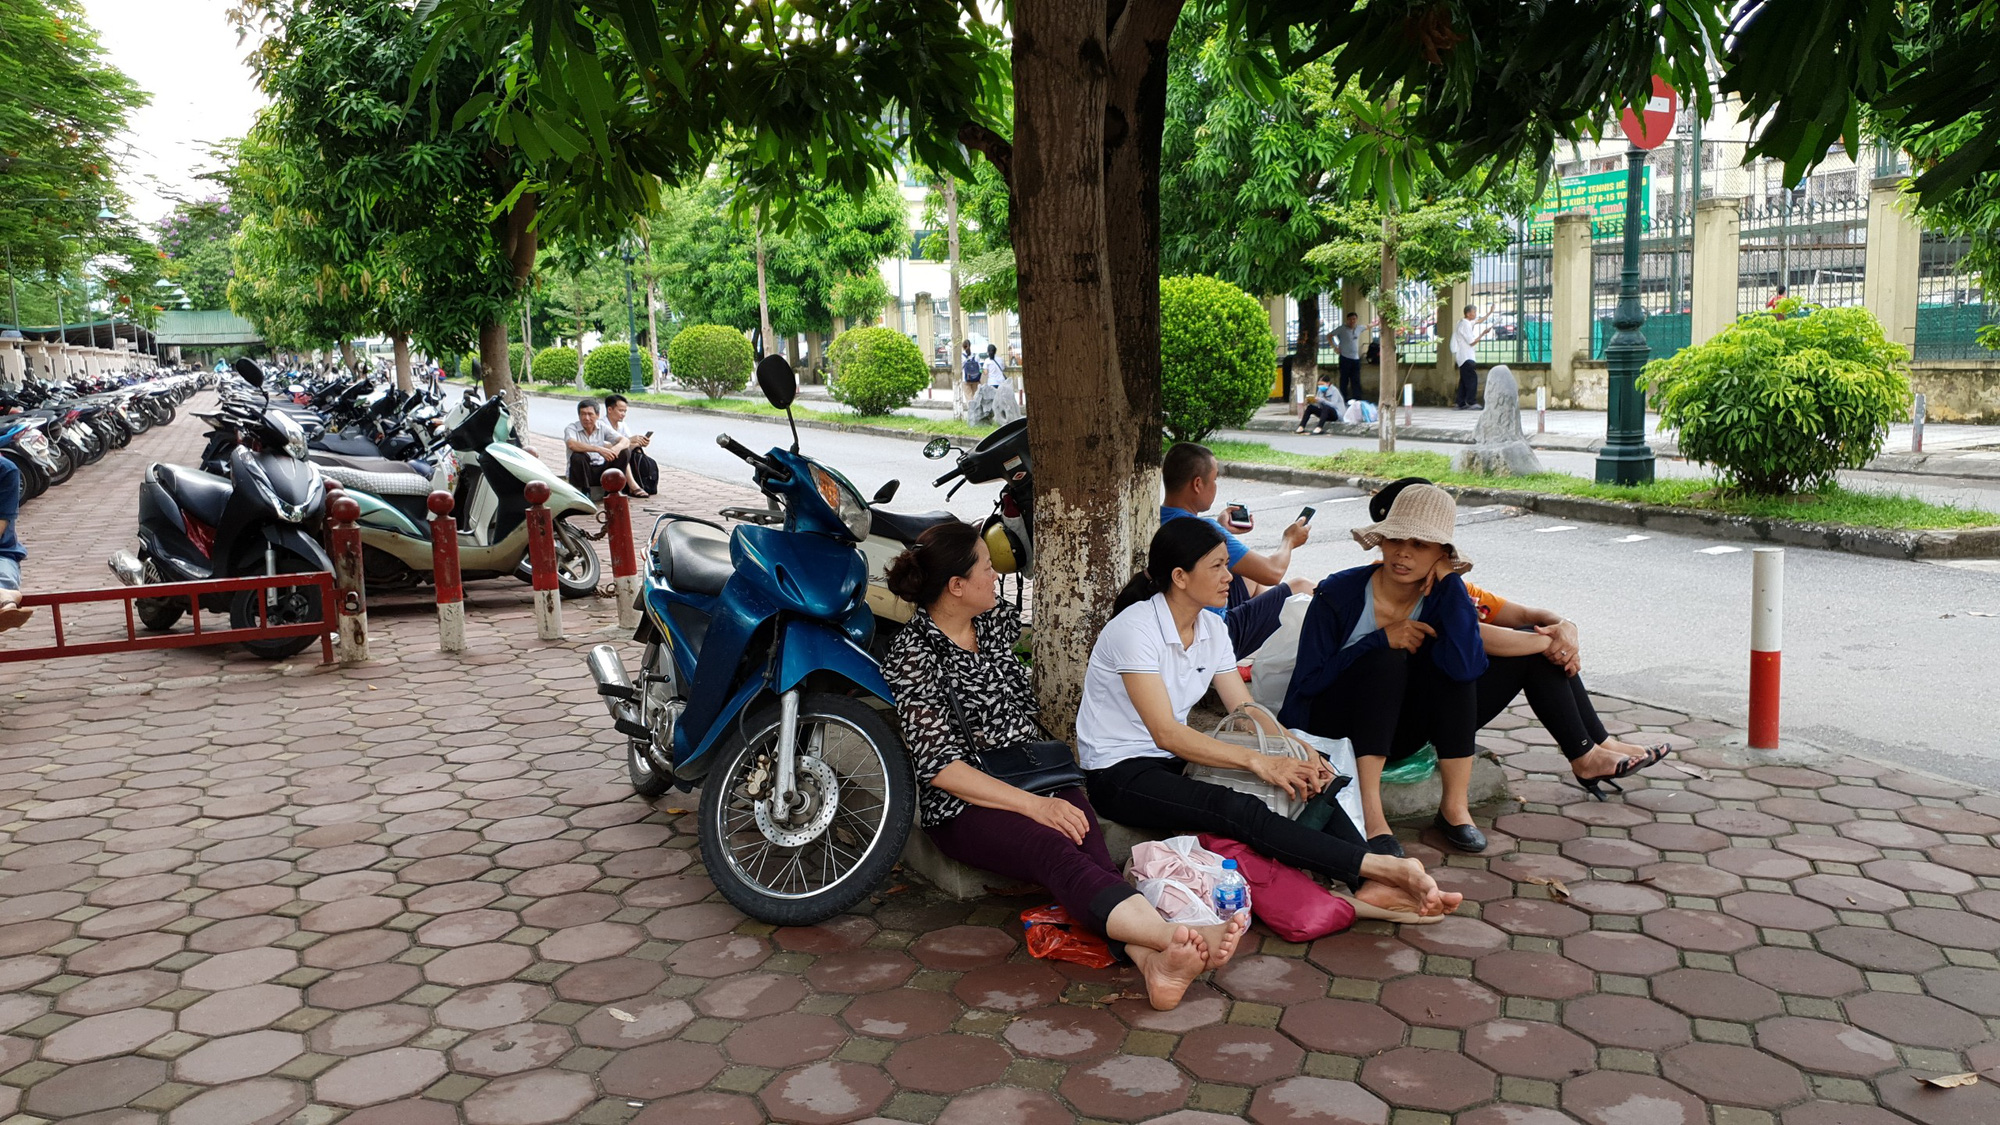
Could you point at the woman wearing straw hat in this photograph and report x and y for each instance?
(1390, 657)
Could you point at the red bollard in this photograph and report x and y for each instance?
(624, 562)
(349, 585)
(542, 558)
(444, 573)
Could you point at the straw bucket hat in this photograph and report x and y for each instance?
(1421, 511)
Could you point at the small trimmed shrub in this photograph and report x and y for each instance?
(714, 359)
(517, 361)
(1780, 406)
(608, 367)
(556, 366)
(1216, 365)
(875, 370)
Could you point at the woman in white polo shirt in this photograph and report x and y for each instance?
(1156, 658)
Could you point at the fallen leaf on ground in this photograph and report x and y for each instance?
(1695, 772)
(623, 1016)
(1555, 886)
(899, 888)
(1950, 1081)
(674, 812)
(1851, 902)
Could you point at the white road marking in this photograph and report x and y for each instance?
(1632, 539)
(1558, 527)
(1291, 492)
(1719, 551)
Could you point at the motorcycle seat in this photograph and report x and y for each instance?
(904, 527)
(368, 464)
(695, 556)
(202, 495)
(347, 445)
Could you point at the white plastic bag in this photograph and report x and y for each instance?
(1271, 665)
(1177, 875)
(1339, 754)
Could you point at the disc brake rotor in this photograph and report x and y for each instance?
(819, 792)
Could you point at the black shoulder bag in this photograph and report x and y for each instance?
(1041, 766)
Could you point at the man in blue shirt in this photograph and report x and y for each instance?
(1258, 592)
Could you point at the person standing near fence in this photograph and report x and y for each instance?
(12, 614)
(968, 383)
(1464, 351)
(1347, 342)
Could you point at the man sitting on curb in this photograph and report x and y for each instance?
(1257, 594)
(593, 448)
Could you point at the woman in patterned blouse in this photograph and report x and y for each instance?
(963, 635)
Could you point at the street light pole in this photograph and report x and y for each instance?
(631, 328)
(1626, 458)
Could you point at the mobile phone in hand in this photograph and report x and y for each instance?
(1305, 515)
(649, 433)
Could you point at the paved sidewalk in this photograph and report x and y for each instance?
(419, 892)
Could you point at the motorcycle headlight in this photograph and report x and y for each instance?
(844, 500)
(295, 436)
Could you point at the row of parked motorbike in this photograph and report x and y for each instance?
(49, 429)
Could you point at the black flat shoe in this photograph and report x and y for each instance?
(1464, 837)
(1386, 844)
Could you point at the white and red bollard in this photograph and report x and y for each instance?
(1767, 640)
(542, 558)
(1917, 412)
(624, 561)
(1541, 410)
(444, 573)
(350, 641)
(1409, 404)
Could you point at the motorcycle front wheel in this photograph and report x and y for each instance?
(292, 605)
(578, 568)
(803, 865)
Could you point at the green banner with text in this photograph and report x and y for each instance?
(1602, 194)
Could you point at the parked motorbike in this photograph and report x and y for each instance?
(756, 683)
(263, 518)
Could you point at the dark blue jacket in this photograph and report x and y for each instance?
(1336, 607)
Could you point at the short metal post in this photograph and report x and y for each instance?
(1767, 640)
(351, 639)
(1541, 410)
(444, 573)
(624, 561)
(1917, 412)
(1409, 404)
(542, 557)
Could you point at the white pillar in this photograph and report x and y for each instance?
(1889, 288)
(1569, 301)
(1717, 255)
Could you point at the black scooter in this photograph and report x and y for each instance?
(263, 518)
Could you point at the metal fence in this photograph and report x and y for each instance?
(1513, 289)
(1666, 282)
(1952, 305)
(1817, 250)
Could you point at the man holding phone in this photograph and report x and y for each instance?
(1258, 591)
(644, 471)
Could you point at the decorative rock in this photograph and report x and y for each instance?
(1499, 447)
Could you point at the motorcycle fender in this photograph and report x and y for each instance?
(526, 466)
(295, 540)
(686, 758)
(809, 648)
(377, 515)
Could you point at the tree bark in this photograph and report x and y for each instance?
(958, 331)
(347, 355)
(402, 342)
(765, 336)
(1305, 350)
(518, 239)
(1391, 310)
(653, 322)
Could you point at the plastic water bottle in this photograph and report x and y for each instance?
(1232, 894)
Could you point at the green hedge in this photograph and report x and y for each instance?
(517, 362)
(556, 366)
(607, 368)
(714, 359)
(1215, 356)
(875, 370)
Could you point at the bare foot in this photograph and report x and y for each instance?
(1412, 890)
(1169, 971)
(1221, 941)
(13, 616)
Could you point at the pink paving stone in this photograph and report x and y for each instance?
(1615, 898)
(1916, 1020)
(238, 1056)
(673, 890)
(116, 992)
(1345, 1027)
(1365, 955)
(1882, 950)
(746, 996)
(563, 911)
(136, 951)
(450, 898)
(904, 1013)
(1917, 876)
(1847, 892)
(1715, 995)
(382, 1076)
(369, 1029)
(1507, 1113)
(1825, 849)
(1271, 980)
(511, 1049)
(241, 933)
(1799, 971)
(258, 1101)
(478, 964)
(653, 1018)
(1010, 1104)
(1536, 918)
(1609, 1097)
(825, 1093)
(467, 927)
(1779, 911)
(239, 1009)
(659, 1069)
(696, 920)
(1440, 1001)
(132, 919)
(716, 956)
(1004, 988)
(1903, 1093)
(600, 940)
(114, 1033)
(1529, 1049)
(352, 950)
(1247, 1056)
(34, 907)
(1826, 1046)
(557, 879)
(18, 1009)
(1317, 1101)
(856, 971)
(1969, 858)
(78, 1090)
(1456, 936)
(1626, 1021)
(1840, 1113)
(369, 984)
(1975, 990)
(616, 978)
(1725, 1074)
(493, 1005)
(960, 948)
(350, 884)
(1068, 1034)
(149, 888)
(705, 1107)
(19, 972)
(1543, 975)
(1702, 930)
(243, 902)
(1420, 1078)
(1125, 1087)
(946, 1064)
(540, 1097)
(235, 970)
(835, 935)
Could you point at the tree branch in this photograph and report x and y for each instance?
(993, 145)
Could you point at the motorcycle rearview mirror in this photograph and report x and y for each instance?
(251, 372)
(887, 492)
(937, 448)
(780, 386)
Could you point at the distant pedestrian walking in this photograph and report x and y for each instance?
(1772, 304)
(1464, 350)
(1347, 342)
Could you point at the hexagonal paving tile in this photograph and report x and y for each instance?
(1125, 1087)
(1611, 1020)
(947, 1064)
(1826, 1046)
(1609, 1097)
(1248, 1056)
(1528, 1049)
(1442, 1081)
(1060, 1032)
(825, 1093)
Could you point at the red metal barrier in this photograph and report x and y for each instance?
(444, 573)
(133, 642)
(542, 558)
(624, 561)
(344, 544)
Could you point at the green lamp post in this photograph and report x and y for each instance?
(1626, 458)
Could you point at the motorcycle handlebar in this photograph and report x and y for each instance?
(738, 448)
(957, 470)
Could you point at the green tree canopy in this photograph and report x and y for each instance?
(195, 238)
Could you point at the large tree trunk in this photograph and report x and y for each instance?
(1305, 350)
(518, 239)
(347, 355)
(402, 342)
(958, 332)
(653, 321)
(1385, 393)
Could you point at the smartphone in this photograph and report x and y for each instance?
(1305, 515)
(649, 433)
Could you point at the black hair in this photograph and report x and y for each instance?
(1184, 462)
(584, 404)
(1381, 502)
(943, 552)
(992, 350)
(613, 400)
(1178, 545)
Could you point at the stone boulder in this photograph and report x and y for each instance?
(1499, 446)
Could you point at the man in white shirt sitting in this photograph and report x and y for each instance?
(1464, 348)
(593, 447)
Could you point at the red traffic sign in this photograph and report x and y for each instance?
(1652, 128)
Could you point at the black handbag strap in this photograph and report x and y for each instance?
(951, 697)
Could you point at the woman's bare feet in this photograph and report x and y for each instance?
(1403, 906)
(1168, 972)
(1222, 940)
(1404, 885)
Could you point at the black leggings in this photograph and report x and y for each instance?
(1559, 700)
(1390, 703)
(1151, 793)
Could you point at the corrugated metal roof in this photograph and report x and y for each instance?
(205, 328)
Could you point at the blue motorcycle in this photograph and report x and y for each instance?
(756, 684)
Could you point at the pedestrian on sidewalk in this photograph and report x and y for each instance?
(1006, 401)
(968, 383)
(1326, 406)
(1347, 342)
(1464, 350)
(12, 615)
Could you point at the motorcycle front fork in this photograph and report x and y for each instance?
(785, 795)
(270, 560)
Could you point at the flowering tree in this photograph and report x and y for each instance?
(195, 239)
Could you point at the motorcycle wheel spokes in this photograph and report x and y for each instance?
(861, 803)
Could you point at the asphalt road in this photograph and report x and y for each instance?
(1891, 659)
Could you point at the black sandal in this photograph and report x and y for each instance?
(1653, 756)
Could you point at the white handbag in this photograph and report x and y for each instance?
(1239, 728)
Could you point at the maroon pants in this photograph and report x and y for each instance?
(1081, 877)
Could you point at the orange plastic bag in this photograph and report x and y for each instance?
(1052, 936)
